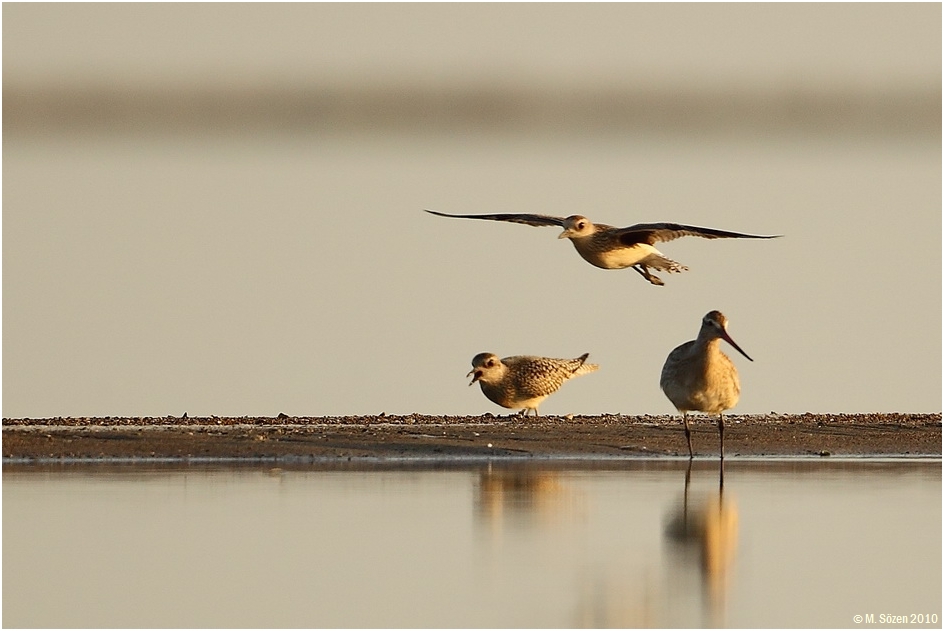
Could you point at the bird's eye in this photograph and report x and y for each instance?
(490, 363)
(581, 225)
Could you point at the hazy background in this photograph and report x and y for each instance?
(217, 208)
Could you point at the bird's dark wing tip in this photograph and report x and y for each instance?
(526, 219)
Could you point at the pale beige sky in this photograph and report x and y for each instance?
(706, 44)
(288, 270)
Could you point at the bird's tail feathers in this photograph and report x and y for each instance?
(663, 263)
(584, 367)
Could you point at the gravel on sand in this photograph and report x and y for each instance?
(480, 437)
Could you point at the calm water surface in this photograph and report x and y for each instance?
(637, 544)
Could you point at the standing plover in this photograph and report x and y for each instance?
(523, 381)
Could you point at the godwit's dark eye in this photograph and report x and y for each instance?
(490, 363)
(581, 225)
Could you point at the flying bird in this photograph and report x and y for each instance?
(617, 248)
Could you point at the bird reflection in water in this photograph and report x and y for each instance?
(540, 512)
(703, 533)
(523, 496)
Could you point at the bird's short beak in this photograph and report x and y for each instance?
(727, 338)
(478, 375)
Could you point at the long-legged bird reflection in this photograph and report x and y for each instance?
(709, 529)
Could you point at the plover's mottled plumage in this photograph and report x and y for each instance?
(523, 381)
(699, 377)
(617, 248)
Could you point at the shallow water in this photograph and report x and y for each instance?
(633, 544)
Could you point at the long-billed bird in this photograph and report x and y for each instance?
(698, 377)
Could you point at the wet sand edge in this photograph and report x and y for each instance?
(487, 436)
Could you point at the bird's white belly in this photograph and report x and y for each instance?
(616, 258)
(531, 404)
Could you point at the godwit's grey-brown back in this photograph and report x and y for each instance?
(698, 377)
(524, 381)
(607, 247)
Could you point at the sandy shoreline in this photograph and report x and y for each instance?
(485, 437)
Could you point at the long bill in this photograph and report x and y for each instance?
(727, 338)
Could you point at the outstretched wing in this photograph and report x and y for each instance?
(528, 220)
(652, 233)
